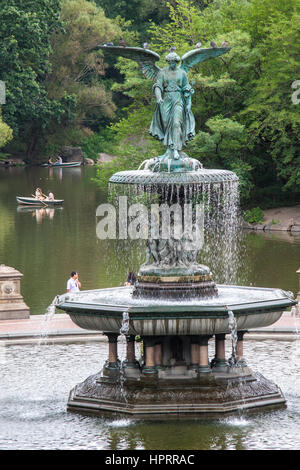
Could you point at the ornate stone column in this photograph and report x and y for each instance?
(204, 367)
(158, 354)
(130, 361)
(240, 349)
(195, 353)
(149, 345)
(219, 361)
(112, 362)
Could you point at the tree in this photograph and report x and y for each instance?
(271, 116)
(25, 31)
(53, 79)
(246, 120)
(74, 64)
(77, 70)
(6, 133)
(138, 12)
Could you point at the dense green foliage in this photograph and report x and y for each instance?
(246, 120)
(51, 75)
(6, 133)
(254, 216)
(78, 70)
(138, 12)
(60, 91)
(25, 31)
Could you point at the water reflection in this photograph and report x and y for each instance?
(179, 435)
(38, 379)
(259, 259)
(59, 172)
(281, 235)
(40, 213)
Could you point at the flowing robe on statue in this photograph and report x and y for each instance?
(172, 122)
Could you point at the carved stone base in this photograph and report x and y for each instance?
(212, 395)
(12, 305)
(14, 311)
(177, 282)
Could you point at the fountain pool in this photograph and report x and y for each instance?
(38, 378)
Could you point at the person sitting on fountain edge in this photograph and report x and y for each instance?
(130, 279)
(73, 284)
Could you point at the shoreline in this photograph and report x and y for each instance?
(280, 219)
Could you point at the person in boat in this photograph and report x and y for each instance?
(59, 160)
(130, 279)
(73, 284)
(50, 162)
(39, 194)
(50, 196)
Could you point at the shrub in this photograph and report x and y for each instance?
(254, 216)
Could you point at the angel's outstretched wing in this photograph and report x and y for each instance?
(144, 57)
(191, 58)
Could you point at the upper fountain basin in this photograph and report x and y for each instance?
(102, 310)
(143, 177)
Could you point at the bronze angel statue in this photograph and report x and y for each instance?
(173, 122)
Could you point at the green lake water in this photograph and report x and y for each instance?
(46, 245)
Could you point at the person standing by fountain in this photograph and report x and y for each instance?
(130, 279)
(73, 284)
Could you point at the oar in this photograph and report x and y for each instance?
(40, 200)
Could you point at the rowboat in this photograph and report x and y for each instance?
(62, 165)
(31, 201)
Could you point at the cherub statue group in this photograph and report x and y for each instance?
(170, 252)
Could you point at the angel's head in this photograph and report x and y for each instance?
(172, 58)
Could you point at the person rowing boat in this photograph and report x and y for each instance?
(42, 197)
(39, 195)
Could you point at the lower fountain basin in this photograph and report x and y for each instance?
(102, 310)
(210, 396)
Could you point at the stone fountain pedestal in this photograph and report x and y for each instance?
(12, 305)
(175, 308)
(180, 393)
(175, 377)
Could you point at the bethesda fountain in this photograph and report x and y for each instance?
(175, 308)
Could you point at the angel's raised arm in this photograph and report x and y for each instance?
(191, 58)
(144, 57)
